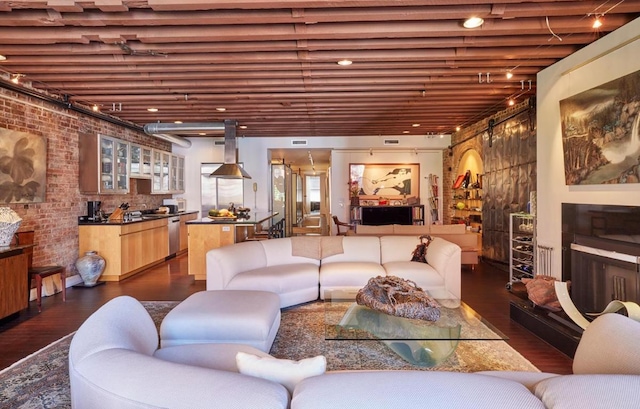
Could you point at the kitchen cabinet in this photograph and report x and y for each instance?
(127, 248)
(105, 164)
(140, 162)
(176, 172)
(184, 232)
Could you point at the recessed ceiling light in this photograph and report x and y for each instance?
(512, 102)
(95, 108)
(473, 22)
(221, 109)
(177, 122)
(457, 129)
(415, 125)
(2, 57)
(509, 75)
(202, 133)
(152, 109)
(345, 62)
(405, 131)
(243, 126)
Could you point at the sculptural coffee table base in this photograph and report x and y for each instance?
(421, 343)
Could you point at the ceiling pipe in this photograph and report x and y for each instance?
(230, 169)
(176, 140)
(166, 131)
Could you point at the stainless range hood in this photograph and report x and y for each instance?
(230, 169)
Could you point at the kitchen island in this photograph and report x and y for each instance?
(210, 233)
(129, 246)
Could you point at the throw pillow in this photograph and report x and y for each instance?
(541, 291)
(284, 371)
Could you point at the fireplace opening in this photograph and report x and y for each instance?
(601, 254)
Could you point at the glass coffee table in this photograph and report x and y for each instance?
(419, 342)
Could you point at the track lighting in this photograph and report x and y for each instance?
(597, 23)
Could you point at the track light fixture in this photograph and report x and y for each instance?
(597, 22)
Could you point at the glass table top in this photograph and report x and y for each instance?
(419, 342)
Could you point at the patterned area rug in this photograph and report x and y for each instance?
(41, 380)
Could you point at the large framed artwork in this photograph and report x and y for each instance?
(601, 135)
(23, 167)
(389, 180)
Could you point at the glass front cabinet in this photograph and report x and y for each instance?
(140, 162)
(104, 162)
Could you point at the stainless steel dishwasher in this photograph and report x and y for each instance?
(174, 235)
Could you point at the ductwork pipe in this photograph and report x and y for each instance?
(176, 140)
(193, 127)
(166, 131)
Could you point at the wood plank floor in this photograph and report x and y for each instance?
(483, 289)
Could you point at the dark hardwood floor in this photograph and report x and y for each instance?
(21, 335)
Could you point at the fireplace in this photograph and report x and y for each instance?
(601, 254)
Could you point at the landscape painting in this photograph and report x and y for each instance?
(600, 133)
(23, 167)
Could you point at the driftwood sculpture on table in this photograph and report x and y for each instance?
(399, 297)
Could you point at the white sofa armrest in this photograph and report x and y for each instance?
(609, 345)
(445, 257)
(225, 262)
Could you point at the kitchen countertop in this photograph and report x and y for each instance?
(134, 219)
(254, 218)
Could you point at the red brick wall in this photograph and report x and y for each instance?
(55, 221)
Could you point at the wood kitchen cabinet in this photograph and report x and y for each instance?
(127, 248)
(105, 164)
(184, 232)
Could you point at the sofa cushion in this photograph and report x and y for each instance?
(411, 230)
(589, 391)
(397, 248)
(280, 251)
(357, 249)
(422, 274)
(436, 229)
(277, 279)
(212, 356)
(363, 229)
(225, 262)
(410, 389)
(346, 275)
(286, 372)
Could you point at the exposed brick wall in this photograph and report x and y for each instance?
(55, 221)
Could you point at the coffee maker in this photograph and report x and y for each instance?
(93, 210)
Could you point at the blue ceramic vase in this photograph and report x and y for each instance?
(90, 266)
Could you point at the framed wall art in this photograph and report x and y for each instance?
(23, 167)
(601, 133)
(389, 180)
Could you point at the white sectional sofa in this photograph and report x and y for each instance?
(330, 263)
(114, 363)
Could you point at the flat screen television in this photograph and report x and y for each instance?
(381, 215)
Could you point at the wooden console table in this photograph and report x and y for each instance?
(13, 279)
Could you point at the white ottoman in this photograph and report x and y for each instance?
(223, 316)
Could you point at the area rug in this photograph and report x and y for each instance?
(41, 380)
